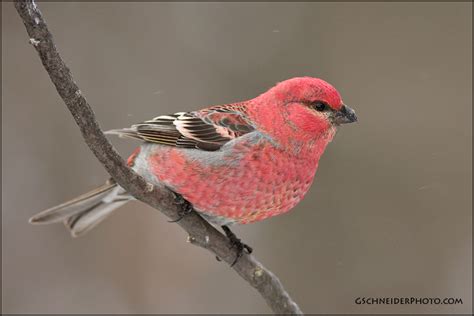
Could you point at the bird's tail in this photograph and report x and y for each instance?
(86, 211)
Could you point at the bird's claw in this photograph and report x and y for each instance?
(237, 244)
(241, 247)
(186, 207)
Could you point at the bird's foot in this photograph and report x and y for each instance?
(185, 207)
(237, 244)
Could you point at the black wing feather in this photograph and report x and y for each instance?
(205, 130)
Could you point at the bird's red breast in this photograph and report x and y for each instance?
(248, 180)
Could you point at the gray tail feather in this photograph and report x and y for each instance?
(124, 133)
(86, 211)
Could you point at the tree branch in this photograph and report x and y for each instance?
(201, 233)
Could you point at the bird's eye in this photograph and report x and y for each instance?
(319, 106)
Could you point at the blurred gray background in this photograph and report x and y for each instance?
(389, 214)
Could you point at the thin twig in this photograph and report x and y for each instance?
(201, 233)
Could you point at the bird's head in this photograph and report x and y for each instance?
(309, 107)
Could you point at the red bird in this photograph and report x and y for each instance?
(235, 163)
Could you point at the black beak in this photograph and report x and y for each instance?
(345, 115)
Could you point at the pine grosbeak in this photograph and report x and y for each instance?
(235, 163)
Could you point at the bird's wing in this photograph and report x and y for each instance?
(207, 129)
